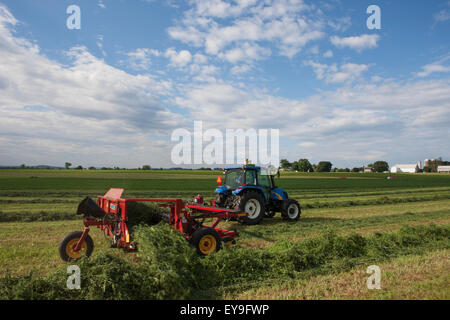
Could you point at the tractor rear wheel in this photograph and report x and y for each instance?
(206, 240)
(220, 200)
(290, 210)
(253, 203)
(66, 251)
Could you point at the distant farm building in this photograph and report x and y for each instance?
(445, 169)
(410, 168)
(367, 169)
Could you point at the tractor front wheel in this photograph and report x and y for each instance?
(66, 246)
(290, 210)
(206, 240)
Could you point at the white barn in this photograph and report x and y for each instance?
(445, 169)
(410, 168)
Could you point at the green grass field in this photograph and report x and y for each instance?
(37, 210)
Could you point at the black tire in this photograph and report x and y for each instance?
(269, 214)
(245, 201)
(220, 200)
(206, 241)
(72, 238)
(290, 210)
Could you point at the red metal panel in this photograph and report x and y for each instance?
(114, 193)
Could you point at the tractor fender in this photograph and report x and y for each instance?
(278, 194)
(221, 189)
(241, 189)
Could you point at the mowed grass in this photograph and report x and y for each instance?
(410, 277)
(344, 203)
(33, 247)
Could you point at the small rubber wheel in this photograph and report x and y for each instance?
(66, 251)
(269, 214)
(290, 210)
(206, 240)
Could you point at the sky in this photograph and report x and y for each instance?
(112, 92)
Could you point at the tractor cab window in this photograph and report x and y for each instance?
(264, 179)
(250, 177)
(233, 178)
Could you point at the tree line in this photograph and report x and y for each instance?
(303, 165)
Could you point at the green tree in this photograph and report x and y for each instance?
(324, 166)
(79, 168)
(68, 165)
(380, 166)
(427, 169)
(285, 164)
(22, 166)
(92, 168)
(146, 167)
(304, 165)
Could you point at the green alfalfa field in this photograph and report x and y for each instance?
(349, 221)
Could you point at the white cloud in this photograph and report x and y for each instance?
(442, 15)
(101, 4)
(140, 58)
(221, 9)
(178, 59)
(240, 69)
(246, 52)
(307, 144)
(432, 68)
(286, 24)
(200, 58)
(358, 43)
(334, 74)
(328, 54)
(100, 44)
(340, 24)
(204, 73)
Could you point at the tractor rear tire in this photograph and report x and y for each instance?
(220, 200)
(253, 203)
(206, 240)
(66, 246)
(290, 210)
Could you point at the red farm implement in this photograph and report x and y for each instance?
(109, 213)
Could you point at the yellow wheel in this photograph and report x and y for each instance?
(66, 251)
(206, 241)
(207, 244)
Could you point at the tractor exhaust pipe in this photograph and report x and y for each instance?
(89, 208)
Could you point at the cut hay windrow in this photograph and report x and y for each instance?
(169, 268)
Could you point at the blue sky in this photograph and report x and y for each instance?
(112, 92)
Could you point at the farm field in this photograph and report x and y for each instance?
(37, 209)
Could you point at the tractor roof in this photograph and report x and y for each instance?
(244, 167)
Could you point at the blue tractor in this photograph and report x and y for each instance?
(252, 189)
